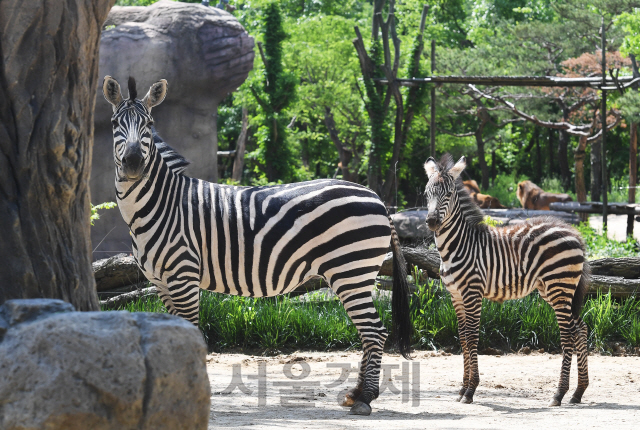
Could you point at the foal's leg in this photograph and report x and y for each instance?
(583, 367)
(359, 305)
(460, 313)
(472, 301)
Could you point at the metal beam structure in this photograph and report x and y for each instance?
(520, 81)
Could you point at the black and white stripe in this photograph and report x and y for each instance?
(506, 263)
(190, 234)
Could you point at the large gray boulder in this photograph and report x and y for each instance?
(204, 53)
(61, 369)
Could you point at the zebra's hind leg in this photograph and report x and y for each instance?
(458, 305)
(568, 333)
(360, 308)
(583, 367)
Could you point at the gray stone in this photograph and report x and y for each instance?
(101, 370)
(412, 226)
(204, 54)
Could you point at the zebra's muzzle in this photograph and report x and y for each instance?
(133, 164)
(432, 223)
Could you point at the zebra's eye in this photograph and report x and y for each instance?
(150, 123)
(114, 123)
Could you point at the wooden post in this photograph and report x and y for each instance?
(603, 116)
(432, 127)
(633, 172)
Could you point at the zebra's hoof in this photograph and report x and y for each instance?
(466, 399)
(574, 400)
(360, 408)
(555, 402)
(459, 398)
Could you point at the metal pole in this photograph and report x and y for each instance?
(432, 127)
(603, 116)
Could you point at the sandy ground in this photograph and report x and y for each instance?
(513, 393)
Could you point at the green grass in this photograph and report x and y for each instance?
(284, 323)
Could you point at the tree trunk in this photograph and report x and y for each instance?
(345, 155)
(563, 159)
(633, 172)
(550, 150)
(48, 85)
(536, 132)
(238, 162)
(483, 162)
(581, 188)
(596, 172)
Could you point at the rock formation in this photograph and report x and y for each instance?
(204, 53)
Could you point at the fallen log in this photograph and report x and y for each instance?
(628, 267)
(116, 272)
(620, 276)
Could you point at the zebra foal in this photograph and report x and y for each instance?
(505, 263)
(189, 234)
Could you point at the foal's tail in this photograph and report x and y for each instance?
(401, 317)
(581, 289)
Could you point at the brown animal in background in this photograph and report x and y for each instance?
(484, 201)
(532, 196)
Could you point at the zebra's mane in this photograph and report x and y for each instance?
(473, 215)
(175, 161)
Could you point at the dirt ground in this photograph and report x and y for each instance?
(300, 391)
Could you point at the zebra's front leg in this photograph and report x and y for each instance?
(459, 308)
(472, 303)
(372, 333)
(185, 299)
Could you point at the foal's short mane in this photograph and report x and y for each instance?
(473, 215)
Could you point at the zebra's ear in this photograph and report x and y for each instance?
(458, 167)
(431, 167)
(111, 91)
(156, 94)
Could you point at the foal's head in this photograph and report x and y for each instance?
(441, 191)
(132, 121)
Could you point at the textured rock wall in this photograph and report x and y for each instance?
(204, 54)
(68, 370)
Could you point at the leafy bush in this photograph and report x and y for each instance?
(504, 189)
(94, 210)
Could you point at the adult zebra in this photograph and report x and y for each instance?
(252, 241)
(506, 263)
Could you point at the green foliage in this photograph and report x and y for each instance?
(504, 189)
(274, 95)
(598, 245)
(630, 25)
(94, 210)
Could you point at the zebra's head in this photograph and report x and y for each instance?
(441, 189)
(132, 121)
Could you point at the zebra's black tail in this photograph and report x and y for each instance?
(401, 317)
(581, 290)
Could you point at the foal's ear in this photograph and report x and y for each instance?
(156, 94)
(431, 167)
(458, 167)
(111, 91)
